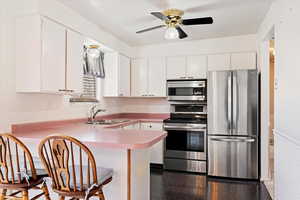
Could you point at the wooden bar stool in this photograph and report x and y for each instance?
(72, 167)
(17, 170)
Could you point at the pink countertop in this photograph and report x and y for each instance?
(107, 136)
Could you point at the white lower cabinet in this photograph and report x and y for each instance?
(156, 152)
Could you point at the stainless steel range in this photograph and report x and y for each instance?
(185, 147)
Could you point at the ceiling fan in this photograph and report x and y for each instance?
(173, 21)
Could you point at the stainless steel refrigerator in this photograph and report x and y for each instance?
(233, 119)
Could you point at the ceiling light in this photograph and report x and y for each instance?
(171, 33)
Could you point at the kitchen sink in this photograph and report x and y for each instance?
(107, 121)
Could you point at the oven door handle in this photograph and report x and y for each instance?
(183, 128)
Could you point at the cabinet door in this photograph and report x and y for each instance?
(157, 77)
(218, 62)
(196, 66)
(74, 61)
(156, 151)
(111, 81)
(53, 57)
(124, 76)
(139, 77)
(176, 67)
(243, 60)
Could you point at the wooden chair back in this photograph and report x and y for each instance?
(65, 158)
(15, 161)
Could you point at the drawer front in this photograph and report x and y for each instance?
(185, 165)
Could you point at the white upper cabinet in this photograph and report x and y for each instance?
(53, 57)
(218, 62)
(54, 62)
(139, 77)
(117, 75)
(74, 62)
(42, 68)
(243, 60)
(111, 81)
(157, 77)
(148, 77)
(28, 63)
(176, 67)
(187, 67)
(196, 67)
(124, 76)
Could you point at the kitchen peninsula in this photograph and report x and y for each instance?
(126, 151)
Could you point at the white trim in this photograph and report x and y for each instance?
(284, 134)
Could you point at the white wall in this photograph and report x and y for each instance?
(145, 105)
(17, 108)
(284, 15)
(208, 46)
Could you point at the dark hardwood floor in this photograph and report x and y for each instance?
(166, 185)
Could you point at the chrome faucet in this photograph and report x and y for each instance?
(94, 112)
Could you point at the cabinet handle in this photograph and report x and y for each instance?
(121, 94)
(65, 90)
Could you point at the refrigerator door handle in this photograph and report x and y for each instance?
(229, 104)
(234, 100)
(234, 139)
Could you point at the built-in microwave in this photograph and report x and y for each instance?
(187, 90)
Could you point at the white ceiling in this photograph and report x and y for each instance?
(123, 18)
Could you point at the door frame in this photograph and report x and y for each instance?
(264, 63)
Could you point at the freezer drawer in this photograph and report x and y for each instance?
(233, 157)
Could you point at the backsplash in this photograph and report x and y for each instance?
(144, 105)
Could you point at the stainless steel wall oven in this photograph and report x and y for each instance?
(185, 146)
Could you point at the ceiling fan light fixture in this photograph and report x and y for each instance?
(171, 33)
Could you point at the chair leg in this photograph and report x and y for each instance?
(3, 194)
(25, 195)
(101, 195)
(46, 191)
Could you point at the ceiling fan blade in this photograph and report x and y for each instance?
(150, 29)
(182, 34)
(159, 15)
(198, 21)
